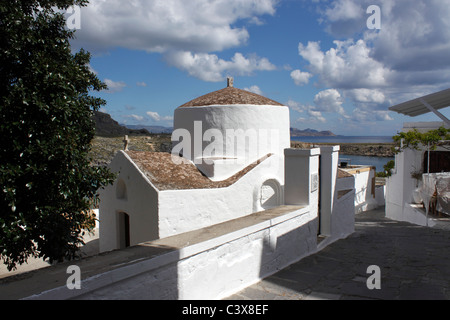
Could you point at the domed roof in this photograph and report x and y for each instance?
(230, 96)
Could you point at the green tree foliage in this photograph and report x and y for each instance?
(415, 140)
(47, 184)
(387, 169)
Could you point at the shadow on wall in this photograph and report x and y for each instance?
(283, 249)
(365, 197)
(144, 280)
(134, 273)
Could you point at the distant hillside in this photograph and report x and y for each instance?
(105, 126)
(151, 129)
(310, 133)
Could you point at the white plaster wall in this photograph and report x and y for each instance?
(185, 210)
(223, 265)
(212, 270)
(342, 219)
(301, 165)
(400, 185)
(364, 195)
(380, 195)
(141, 204)
(329, 158)
(261, 120)
(233, 266)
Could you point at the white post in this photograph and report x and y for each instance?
(329, 158)
(125, 143)
(301, 172)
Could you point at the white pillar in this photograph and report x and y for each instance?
(301, 177)
(329, 159)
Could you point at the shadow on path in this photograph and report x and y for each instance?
(414, 263)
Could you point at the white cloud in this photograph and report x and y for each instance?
(141, 84)
(329, 101)
(134, 117)
(185, 32)
(300, 78)
(367, 95)
(362, 115)
(254, 89)
(154, 116)
(157, 118)
(344, 10)
(348, 65)
(92, 69)
(209, 67)
(410, 51)
(314, 115)
(374, 69)
(163, 25)
(114, 86)
(294, 105)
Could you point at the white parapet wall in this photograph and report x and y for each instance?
(212, 263)
(365, 188)
(400, 188)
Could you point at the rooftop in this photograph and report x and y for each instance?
(230, 96)
(161, 170)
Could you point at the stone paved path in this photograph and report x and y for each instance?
(414, 262)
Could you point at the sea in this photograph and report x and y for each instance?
(378, 162)
(345, 139)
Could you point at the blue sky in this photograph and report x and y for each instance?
(317, 57)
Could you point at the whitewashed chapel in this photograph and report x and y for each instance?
(242, 202)
(228, 161)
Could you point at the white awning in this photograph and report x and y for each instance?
(425, 104)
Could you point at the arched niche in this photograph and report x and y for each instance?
(121, 190)
(270, 194)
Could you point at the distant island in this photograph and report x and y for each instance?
(151, 129)
(106, 126)
(310, 133)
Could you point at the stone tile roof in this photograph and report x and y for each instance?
(162, 171)
(228, 96)
(343, 174)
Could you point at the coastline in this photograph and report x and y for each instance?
(356, 149)
(104, 148)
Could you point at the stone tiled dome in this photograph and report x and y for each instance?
(230, 96)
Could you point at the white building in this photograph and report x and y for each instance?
(222, 217)
(405, 190)
(368, 196)
(158, 194)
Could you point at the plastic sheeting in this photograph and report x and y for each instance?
(436, 184)
(443, 192)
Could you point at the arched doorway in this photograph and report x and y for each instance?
(124, 230)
